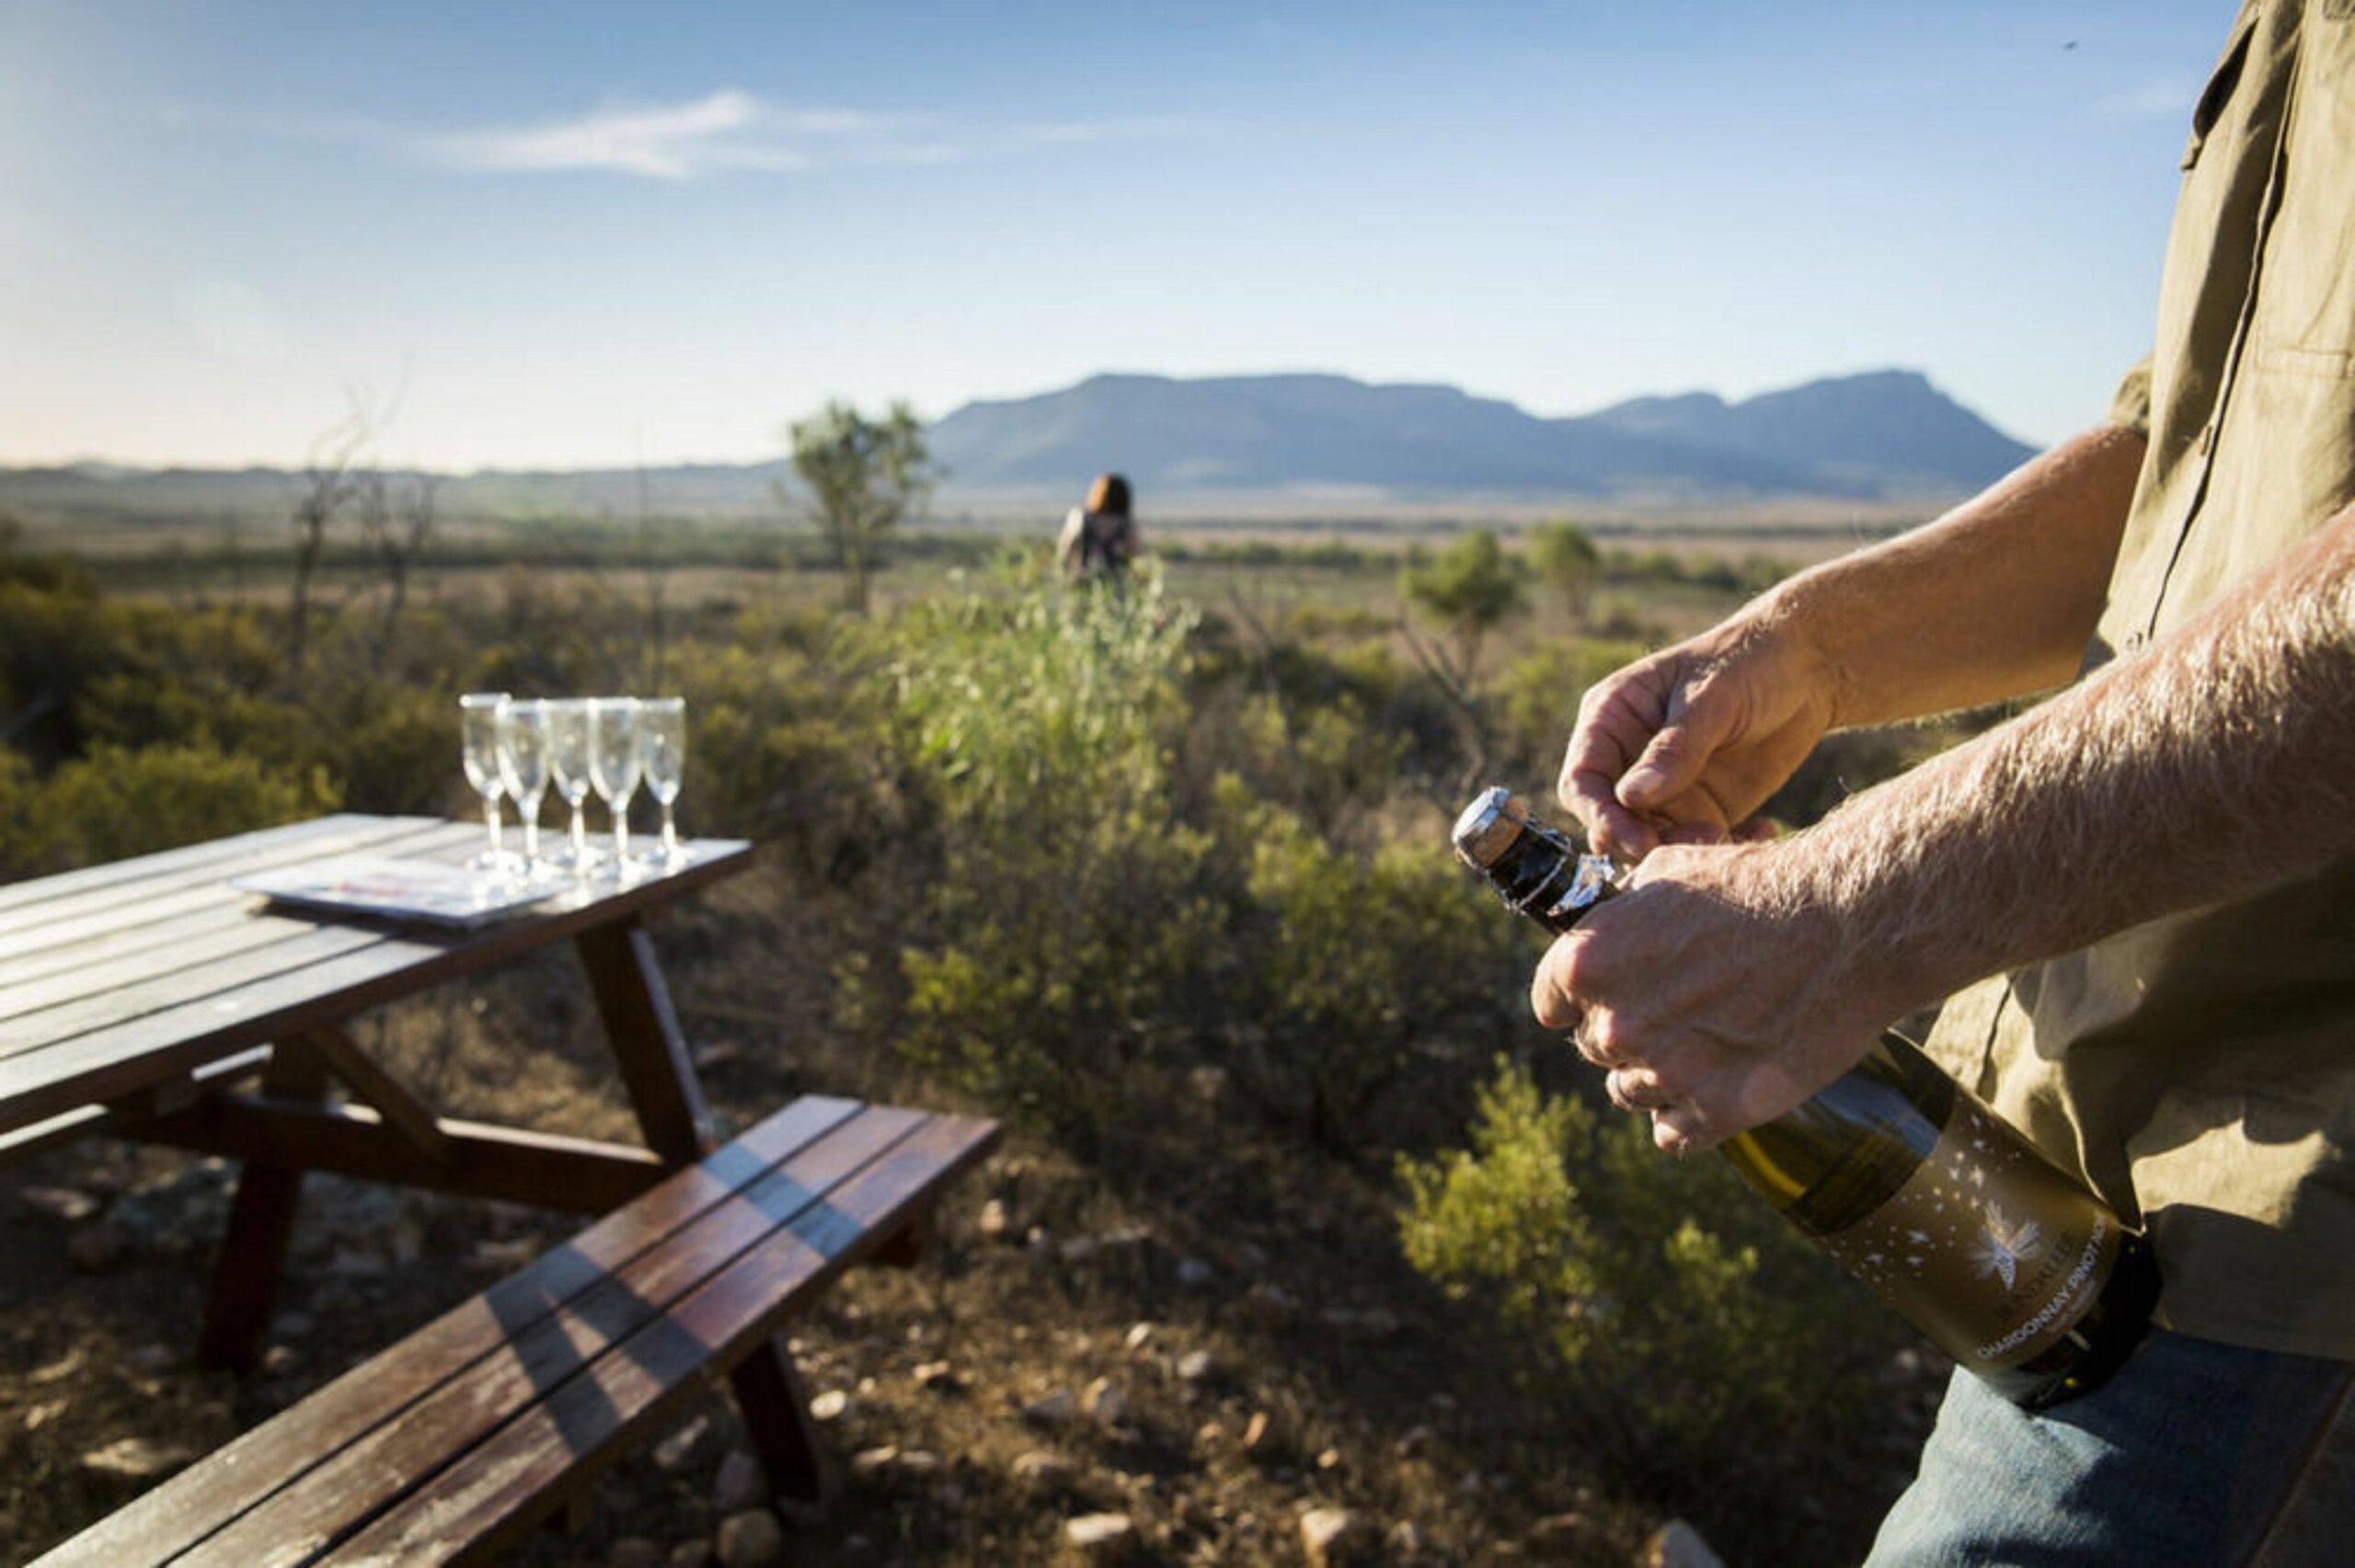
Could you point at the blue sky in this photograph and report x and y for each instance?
(600, 234)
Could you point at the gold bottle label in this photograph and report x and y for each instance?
(1990, 1250)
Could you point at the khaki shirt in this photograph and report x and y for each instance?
(2200, 1070)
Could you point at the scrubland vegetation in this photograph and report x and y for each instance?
(1161, 876)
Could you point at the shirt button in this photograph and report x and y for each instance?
(2134, 640)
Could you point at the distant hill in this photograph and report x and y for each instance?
(1243, 441)
(1887, 434)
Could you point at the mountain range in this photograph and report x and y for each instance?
(1884, 435)
(1237, 443)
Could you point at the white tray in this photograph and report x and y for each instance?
(401, 889)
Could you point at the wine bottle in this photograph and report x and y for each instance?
(2008, 1263)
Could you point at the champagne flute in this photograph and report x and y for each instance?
(479, 722)
(568, 768)
(523, 768)
(614, 765)
(663, 749)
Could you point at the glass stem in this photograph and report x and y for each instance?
(490, 816)
(580, 833)
(670, 834)
(530, 811)
(621, 828)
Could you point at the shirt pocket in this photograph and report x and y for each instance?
(2304, 321)
(2221, 82)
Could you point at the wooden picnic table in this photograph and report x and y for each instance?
(138, 999)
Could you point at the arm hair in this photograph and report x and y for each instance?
(2219, 760)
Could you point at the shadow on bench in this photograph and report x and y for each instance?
(450, 1445)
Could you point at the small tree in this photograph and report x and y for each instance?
(330, 483)
(1469, 587)
(394, 532)
(1566, 557)
(865, 477)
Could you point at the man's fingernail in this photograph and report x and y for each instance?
(1640, 781)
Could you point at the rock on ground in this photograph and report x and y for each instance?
(1054, 1408)
(1678, 1545)
(739, 1486)
(1100, 1538)
(751, 1540)
(683, 1448)
(1561, 1531)
(66, 1205)
(136, 1459)
(1039, 1469)
(1104, 1401)
(1333, 1537)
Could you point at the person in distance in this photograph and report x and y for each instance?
(2138, 896)
(1100, 539)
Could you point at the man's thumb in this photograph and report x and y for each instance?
(1671, 762)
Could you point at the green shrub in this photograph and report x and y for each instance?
(21, 846)
(394, 749)
(1349, 962)
(1470, 588)
(1536, 702)
(1677, 1319)
(1059, 910)
(117, 802)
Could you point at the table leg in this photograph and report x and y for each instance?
(261, 1222)
(660, 1077)
(776, 1409)
(648, 1045)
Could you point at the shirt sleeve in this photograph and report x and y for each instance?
(2129, 406)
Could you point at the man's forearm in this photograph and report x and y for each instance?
(2219, 760)
(1994, 599)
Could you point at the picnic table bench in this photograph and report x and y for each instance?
(145, 999)
(449, 1445)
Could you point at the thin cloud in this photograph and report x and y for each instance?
(732, 129)
(2152, 101)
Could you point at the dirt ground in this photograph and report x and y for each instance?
(1265, 1350)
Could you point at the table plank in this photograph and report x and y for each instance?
(105, 910)
(182, 941)
(164, 1522)
(233, 923)
(157, 1099)
(299, 946)
(16, 895)
(40, 1079)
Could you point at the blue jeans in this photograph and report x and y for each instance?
(2193, 1455)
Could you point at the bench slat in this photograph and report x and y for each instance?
(548, 1345)
(175, 1515)
(482, 1505)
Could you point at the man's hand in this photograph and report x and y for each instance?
(1684, 747)
(1716, 998)
(1994, 599)
(1729, 983)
